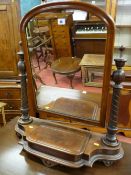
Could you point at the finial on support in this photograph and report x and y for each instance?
(121, 49)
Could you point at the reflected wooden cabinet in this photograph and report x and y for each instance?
(9, 37)
(60, 31)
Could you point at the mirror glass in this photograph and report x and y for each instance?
(67, 55)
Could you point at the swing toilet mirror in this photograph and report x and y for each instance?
(54, 29)
(53, 142)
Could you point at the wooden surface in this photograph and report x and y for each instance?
(66, 65)
(11, 154)
(95, 62)
(56, 140)
(91, 64)
(88, 45)
(10, 93)
(124, 114)
(92, 60)
(68, 103)
(9, 38)
(59, 103)
(61, 36)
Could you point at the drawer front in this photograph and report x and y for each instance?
(60, 29)
(12, 104)
(10, 93)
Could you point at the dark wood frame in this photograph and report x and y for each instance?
(47, 142)
(52, 7)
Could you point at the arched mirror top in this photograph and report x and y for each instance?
(52, 7)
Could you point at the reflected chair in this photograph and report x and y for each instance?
(39, 47)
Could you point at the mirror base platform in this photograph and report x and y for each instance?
(56, 144)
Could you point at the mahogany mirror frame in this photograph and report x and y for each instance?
(52, 7)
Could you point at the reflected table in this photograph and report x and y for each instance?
(90, 64)
(66, 66)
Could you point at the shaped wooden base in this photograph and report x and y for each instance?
(59, 144)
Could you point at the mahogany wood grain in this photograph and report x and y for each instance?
(28, 164)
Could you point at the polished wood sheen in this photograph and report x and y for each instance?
(70, 142)
(12, 154)
(68, 152)
(74, 104)
(44, 138)
(90, 64)
(67, 66)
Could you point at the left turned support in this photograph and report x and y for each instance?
(118, 77)
(25, 118)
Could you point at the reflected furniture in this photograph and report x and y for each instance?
(68, 105)
(36, 46)
(91, 64)
(39, 47)
(60, 32)
(67, 66)
(89, 37)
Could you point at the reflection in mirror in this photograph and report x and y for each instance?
(67, 51)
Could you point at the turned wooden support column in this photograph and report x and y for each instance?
(118, 76)
(25, 118)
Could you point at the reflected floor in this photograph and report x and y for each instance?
(63, 81)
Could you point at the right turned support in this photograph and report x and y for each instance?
(118, 77)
